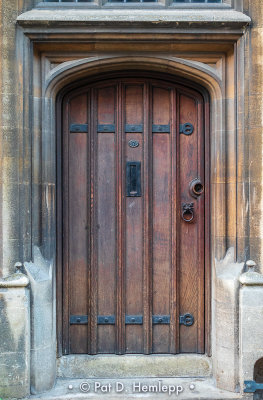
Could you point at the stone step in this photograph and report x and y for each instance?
(134, 365)
(137, 388)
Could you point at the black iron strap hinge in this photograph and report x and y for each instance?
(252, 386)
(186, 319)
(79, 128)
(78, 319)
(161, 128)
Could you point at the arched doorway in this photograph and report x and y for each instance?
(134, 193)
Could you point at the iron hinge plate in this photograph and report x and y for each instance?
(133, 319)
(161, 319)
(78, 319)
(129, 128)
(79, 128)
(161, 128)
(186, 319)
(106, 319)
(106, 128)
(252, 386)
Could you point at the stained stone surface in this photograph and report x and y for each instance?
(226, 322)
(251, 323)
(43, 317)
(15, 337)
(112, 366)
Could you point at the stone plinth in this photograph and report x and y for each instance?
(15, 337)
(251, 323)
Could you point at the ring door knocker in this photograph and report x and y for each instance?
(188, 212)
(196, 188)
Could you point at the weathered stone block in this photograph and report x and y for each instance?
(251, 324)
(43, 315)
(225, 326)
(15, 337)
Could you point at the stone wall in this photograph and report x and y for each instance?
(244, 228)
(15, 336)
(14, 183)
(254, 128)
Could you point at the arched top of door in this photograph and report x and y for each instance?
(71, 75)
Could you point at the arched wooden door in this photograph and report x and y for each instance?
(133, 218)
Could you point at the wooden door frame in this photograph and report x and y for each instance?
(79, 87)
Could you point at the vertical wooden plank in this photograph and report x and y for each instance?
(65, 225)
(93, 226)
(191, 234)
(106, 219)
(60, 124)
(207, 217)
(120, 242)
(173, 287)
(77, 228)
(161, 219)
(201, 230)
(133, 111)
(178, 223)
(147, 222)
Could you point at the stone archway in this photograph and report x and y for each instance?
(63, 77)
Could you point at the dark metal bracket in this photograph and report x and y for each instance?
(78, 319)
(186, 319)
(161, 128)
(79, 128)
(252, 386)
(133, 128)
(106, 128)
(106, 319)
(161, 319)
(133, 319)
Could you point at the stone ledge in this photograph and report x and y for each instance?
(15, 280)
(130, 366)
(202, 389)
(176, 17)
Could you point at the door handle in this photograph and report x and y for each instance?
(188, 212)
(133, 179)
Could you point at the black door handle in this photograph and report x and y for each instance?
(133, 179)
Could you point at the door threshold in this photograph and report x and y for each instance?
(130, 366)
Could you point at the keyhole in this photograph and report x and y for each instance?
(196, 188)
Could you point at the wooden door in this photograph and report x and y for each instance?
(133, 219)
